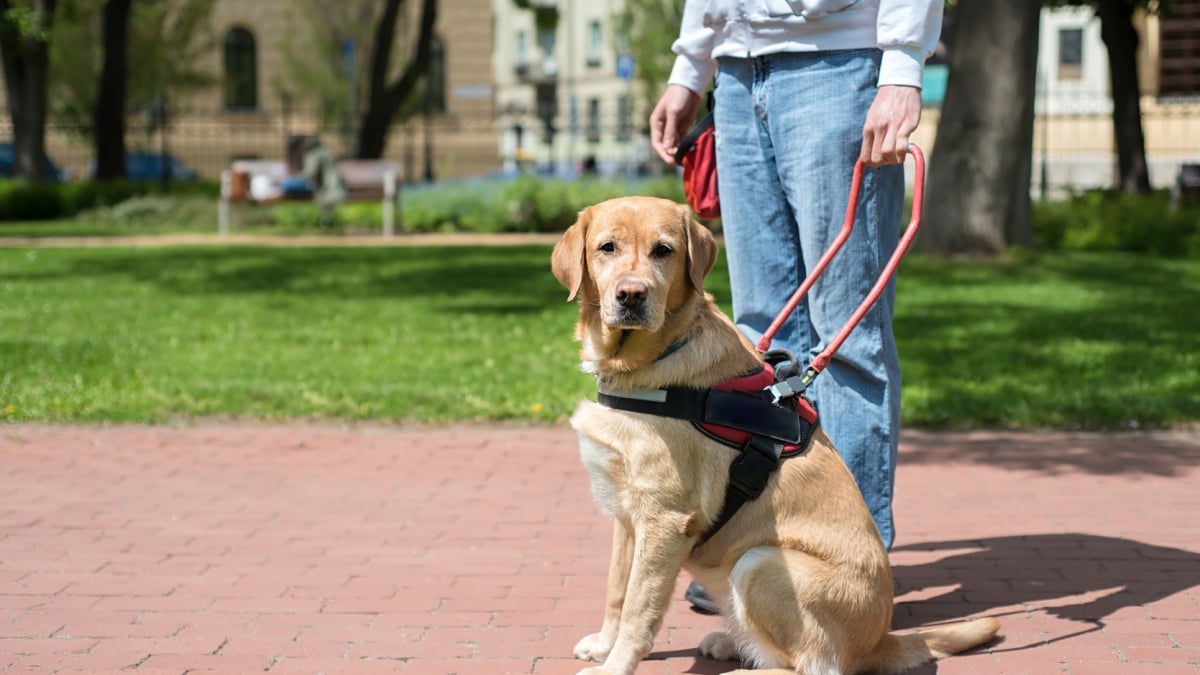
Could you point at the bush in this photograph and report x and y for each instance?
(1104, 220)
(21, 200)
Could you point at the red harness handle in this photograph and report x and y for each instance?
(822, 360)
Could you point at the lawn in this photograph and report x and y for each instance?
(440, 334)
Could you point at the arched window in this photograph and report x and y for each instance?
(241, 70)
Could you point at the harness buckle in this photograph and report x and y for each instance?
(752, 468)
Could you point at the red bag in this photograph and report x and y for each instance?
(698, 156)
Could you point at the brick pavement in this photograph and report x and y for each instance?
(305, 549)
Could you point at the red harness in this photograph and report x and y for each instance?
(755, 383)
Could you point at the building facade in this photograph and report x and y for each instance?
(247, 113)
(565, 100)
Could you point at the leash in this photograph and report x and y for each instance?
(799, 384)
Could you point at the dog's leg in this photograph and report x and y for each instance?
(595, 647)
(659, 552)
(779, 603)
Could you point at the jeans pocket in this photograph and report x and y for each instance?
(809, 9)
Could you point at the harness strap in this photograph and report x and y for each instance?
(774, 432)
(749, 412)
(748, 477)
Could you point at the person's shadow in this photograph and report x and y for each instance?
(1082, 578)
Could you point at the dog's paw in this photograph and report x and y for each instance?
(593, 648)
(594, 671)
(719, 647)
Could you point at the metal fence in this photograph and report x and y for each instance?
(1073, 147)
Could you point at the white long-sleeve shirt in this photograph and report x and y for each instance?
(905, 30)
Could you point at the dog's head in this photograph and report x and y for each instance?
(634, 260)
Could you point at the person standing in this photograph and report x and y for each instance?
(803, 89)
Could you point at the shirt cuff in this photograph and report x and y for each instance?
(695, 74)
(901, 66)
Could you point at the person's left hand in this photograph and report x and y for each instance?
(893, 116)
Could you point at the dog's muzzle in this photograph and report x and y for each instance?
(630, 308)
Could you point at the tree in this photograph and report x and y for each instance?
(326, 64)
(386, 98)
(109, 111)
(24, 49)
(1121, 40)
(169, 38)
(979, 172)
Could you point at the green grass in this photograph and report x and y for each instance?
(438, 334)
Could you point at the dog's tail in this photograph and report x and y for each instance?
(897, 653)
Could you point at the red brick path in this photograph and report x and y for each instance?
(477, 550)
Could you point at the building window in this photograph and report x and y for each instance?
(624, 118)
(593, 120)
(1070, 53)
(241, 70)
(595, 45)
(521, 55)
(1179, 55)
(546, 40)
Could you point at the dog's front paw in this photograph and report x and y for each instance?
(594, 647)
(594, 671)
(719, 647)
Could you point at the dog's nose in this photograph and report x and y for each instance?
(631, 293)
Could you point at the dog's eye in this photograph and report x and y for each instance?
(661, 251)
(608, 247)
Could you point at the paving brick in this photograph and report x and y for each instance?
(307, 548)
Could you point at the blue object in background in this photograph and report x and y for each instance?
(8, 160)
(933, 84)
(296, 186)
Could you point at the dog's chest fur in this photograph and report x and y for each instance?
(604, 466)
(642, 464)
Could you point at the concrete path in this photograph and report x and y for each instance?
(306, 549)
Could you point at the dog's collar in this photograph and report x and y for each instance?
(676, 346)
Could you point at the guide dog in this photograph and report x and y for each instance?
(800, 573)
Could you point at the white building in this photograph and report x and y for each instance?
(564, 90)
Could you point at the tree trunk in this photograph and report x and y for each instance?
(979, 171)
(1121, 39)
(108, 117)
(26, 61)
(384, 100)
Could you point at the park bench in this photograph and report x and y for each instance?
(260, 181)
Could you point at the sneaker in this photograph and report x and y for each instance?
(701, 603)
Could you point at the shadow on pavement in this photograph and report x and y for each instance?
(1123, 453)
(1078, 577)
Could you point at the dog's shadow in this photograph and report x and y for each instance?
(1082, 578)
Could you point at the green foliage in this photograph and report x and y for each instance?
(1106, 220)
(29, 22)
(646, 29)
(168, 41)
(25, 201)
(21, 200)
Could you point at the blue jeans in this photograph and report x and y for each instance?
(789, 129)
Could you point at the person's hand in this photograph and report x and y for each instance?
(671, 119)
(891, 119)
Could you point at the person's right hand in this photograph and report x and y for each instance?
(671, 119)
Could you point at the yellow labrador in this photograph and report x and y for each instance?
(800, 573)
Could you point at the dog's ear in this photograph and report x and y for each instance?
(569, 262)
(701, 250)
